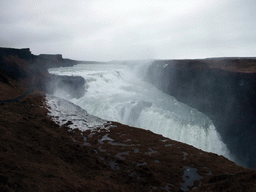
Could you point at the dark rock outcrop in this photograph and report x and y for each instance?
(51, 61)
(24, 53)
(224, 89)
(67, 86)
(20, 64)
(8, 67)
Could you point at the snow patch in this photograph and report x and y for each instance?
(64, 112)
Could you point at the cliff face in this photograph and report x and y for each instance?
(24, 53)
(19, 67)
(67, 86)
(57, 60)
(8, 67)
(224, 89)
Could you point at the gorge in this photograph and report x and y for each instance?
(40, 154)
(118, 92)
(222, 88)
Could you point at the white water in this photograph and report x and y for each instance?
(117, 92)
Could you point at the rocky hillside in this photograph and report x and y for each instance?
(38, 155)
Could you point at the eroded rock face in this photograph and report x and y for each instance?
(24, 53)
(8, 65)
(21, 64)
(224, 89)
(57, 60)
(67, 87)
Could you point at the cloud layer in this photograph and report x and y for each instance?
(135, 29)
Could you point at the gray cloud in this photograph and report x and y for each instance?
(135, 29)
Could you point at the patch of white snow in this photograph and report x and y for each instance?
(64, 112)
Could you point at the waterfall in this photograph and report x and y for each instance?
(117, 92)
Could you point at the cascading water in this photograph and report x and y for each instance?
(117, 92)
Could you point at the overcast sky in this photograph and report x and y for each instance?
(107, 30)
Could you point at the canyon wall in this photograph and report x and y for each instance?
(222, 88)
(31, 71)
